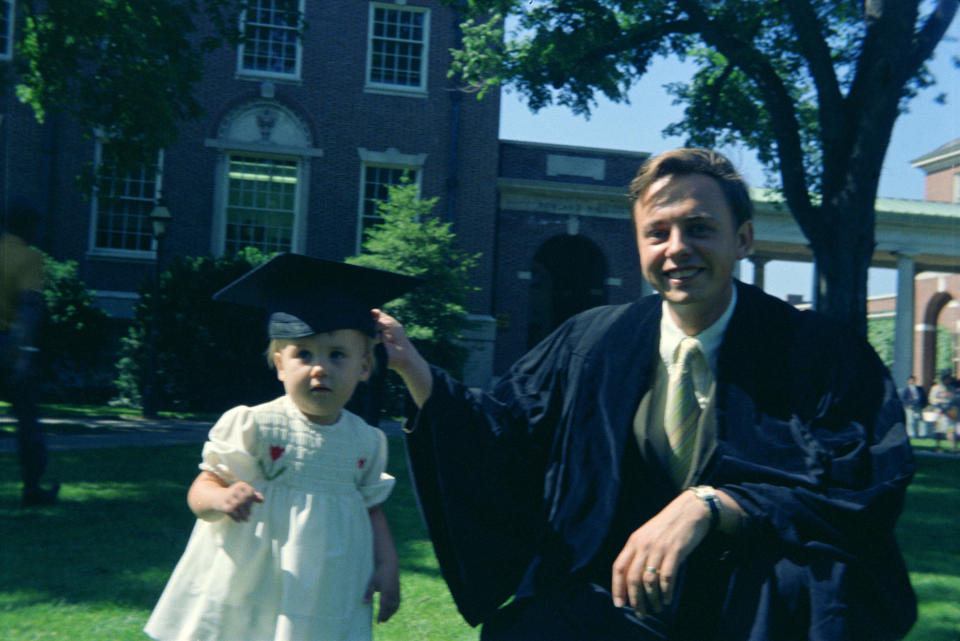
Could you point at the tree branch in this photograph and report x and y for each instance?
(934, 29)
(834, 121)
(780, 106)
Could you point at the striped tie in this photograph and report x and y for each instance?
(683, 409)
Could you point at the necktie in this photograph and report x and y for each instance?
(683, 409)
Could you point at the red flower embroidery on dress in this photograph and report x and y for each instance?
(361, 462)
(275, 452)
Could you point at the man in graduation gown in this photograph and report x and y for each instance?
(564, 506)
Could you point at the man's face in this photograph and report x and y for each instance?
(689, 245)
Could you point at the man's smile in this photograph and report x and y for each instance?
(682, 273)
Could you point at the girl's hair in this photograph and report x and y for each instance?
(277, 344)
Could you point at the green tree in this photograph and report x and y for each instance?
(946, 350)
(412, 241)
(77, 341)
(814, 86)
(880, 334)
(127, 68)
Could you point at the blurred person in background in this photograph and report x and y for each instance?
(21, 310)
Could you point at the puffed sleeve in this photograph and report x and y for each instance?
(228, 450)
(374, 482)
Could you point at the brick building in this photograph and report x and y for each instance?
(301, 137)
(936, 294)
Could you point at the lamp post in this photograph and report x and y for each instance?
(160, 219)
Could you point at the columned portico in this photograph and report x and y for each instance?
(903, 332)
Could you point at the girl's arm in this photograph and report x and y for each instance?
(210, 498)
(386, 572)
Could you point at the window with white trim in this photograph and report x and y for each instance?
(376, 181)
(261, 203)
(122, 204)
(956, 187)
(271, 38)
(397, 49)
(6, 29)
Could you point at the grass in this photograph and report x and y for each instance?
(92, 567)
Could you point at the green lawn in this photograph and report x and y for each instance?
(92, 567)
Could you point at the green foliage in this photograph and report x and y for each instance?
(946, 349)
(209, 355)
(880, 334)
(77, 341)
(128, 68)
(412, 241)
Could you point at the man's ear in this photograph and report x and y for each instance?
(278, 365)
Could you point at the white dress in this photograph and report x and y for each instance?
(298, 569)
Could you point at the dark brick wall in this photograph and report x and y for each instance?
(330, 98)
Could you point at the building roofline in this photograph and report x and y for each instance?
(575, 148)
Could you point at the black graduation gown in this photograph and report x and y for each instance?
(521, 488)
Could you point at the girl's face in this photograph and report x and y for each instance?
(320, 372)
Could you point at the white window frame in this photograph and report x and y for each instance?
(390, 159)
(10, 6)
(95, 212)
(299, 208)
(373, 86)
(956, 188)
(262, 73)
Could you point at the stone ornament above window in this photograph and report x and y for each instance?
(267, 123)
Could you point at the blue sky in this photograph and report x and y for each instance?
(638, 126)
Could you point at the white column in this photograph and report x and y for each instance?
(903, 332)
(758, 266)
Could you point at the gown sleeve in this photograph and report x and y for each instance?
(479, 464)
(819, 460)
(228, 452)
(374, 482)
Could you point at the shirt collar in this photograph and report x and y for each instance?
(709, 339)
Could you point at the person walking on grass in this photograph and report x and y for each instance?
(21, 311)
(290, 542)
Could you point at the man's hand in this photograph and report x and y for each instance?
(645, 571)
(403, 357)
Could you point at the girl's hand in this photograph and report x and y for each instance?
(236, 501)
(386, 581)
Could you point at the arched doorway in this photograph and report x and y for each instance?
(931, 317)
(567, 277)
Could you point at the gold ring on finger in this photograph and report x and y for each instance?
(652, 569)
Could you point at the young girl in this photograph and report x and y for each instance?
(290, 541)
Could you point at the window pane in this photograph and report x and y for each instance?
(376, 180)
(261, 196)
(6, 11)
(397, 47)
(124, 203)
(271, 39)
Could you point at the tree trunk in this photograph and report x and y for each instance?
(843, 252)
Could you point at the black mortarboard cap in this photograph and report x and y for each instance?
(305, 296)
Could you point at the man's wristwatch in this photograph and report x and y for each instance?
(709, 497)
